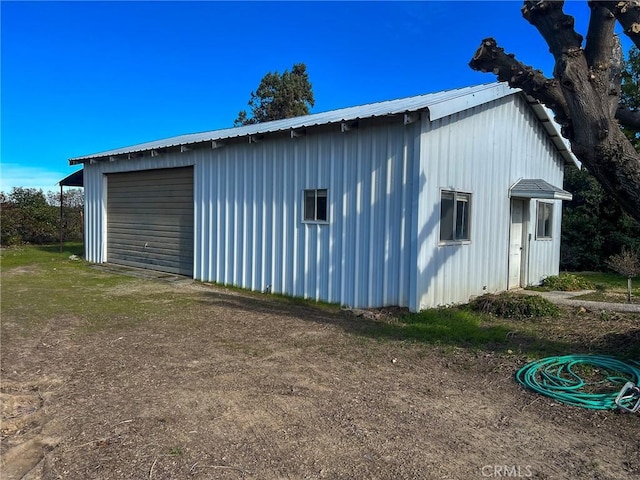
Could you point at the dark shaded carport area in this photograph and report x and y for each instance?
(76, 179)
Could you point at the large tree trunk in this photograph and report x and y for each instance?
(583, 92)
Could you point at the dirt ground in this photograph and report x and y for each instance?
(229, 385)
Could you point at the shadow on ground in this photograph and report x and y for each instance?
(448, 327)
(453, 327)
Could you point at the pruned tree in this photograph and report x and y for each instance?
(585, 90)
(279, 96)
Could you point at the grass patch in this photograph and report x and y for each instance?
(460, 327)
(610, 287)
(440, 326)
(175, 452)
(40, 283)
(18, 256)
(611, 282)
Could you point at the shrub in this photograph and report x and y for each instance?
(27, 216)
(566, 282)
(510, 305)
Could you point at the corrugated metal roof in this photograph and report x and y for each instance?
(538, 188)
(439, 105)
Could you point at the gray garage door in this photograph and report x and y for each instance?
(150, 219)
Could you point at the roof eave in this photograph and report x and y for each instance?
(553, 130)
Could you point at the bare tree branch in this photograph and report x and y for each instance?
(627, 12)
(599, 37)
(604, 62)
(492, 58)
(554, 26)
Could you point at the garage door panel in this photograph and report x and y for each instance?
(131, 178)
(168, 241)
(148, 202)
(157, 192)
(162, 266)
(120, 218)
(169, 212)
(150, 219)
(149, 232)
(149, 255)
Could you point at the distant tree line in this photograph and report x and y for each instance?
(28, 215)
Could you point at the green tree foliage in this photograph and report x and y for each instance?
(28, 215)
(73, 198)
(279, 96)
(630, 95)
(594, 225)
(630, 92)
(72, 212)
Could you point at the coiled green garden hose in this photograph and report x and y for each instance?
(588, 381)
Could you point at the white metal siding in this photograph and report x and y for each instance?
(544, 255)
(483, 151)
(249, 224)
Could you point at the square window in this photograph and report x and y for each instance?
(545, 220)
(315, 205)
(455, 216)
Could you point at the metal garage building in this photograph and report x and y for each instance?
(416, 202)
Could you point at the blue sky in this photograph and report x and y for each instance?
(84, 77)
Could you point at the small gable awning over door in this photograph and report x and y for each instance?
(538, 188)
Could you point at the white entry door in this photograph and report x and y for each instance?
(516, 244)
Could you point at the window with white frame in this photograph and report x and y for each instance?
(315, 205)
(455, 216)
(545, 220)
